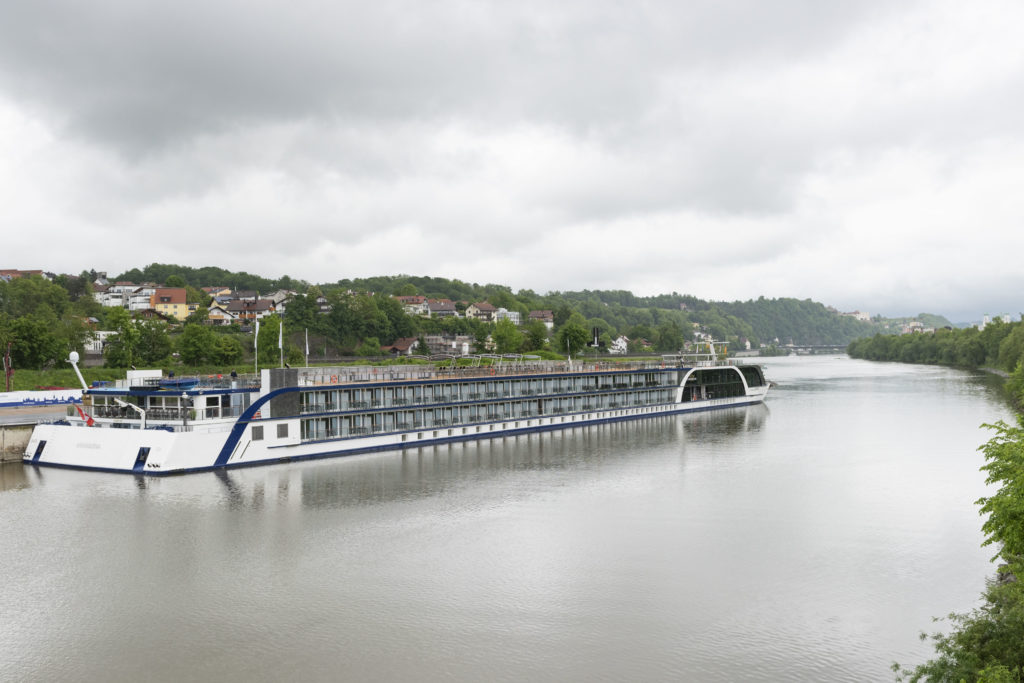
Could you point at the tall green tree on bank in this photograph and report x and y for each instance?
(201, 345)
(535, 336)
(571, 338)
(987, 644)
(154, 345)
(121, 350)
(267, 348)
(34, 344)
(507, 337)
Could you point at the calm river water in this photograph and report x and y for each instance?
(811, 538)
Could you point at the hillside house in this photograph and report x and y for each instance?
(546, 317)
(402, 347)
(169, 301)
(481, 310)
(442, 308)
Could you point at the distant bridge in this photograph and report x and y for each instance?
(815, 348)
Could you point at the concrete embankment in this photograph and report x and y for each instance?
(13, 440)
(16, 426)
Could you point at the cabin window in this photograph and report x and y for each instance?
(257, 433)
(282, 431)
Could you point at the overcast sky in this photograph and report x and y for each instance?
(868, 155)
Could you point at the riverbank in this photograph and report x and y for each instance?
(16, 425)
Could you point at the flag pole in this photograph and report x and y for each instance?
(280, 340)
(307, 347)
(8, 366)
(256, 350)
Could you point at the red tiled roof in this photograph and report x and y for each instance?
(168, 295)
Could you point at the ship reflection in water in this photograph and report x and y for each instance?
(435, 470)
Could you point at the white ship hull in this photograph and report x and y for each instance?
(257, 437)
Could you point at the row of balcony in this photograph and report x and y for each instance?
(426, 400)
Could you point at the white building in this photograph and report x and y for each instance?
(505, 314)
(96, 340)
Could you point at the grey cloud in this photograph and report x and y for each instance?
(462, 129)
(142, 76)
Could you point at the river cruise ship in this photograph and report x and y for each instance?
(155, 425)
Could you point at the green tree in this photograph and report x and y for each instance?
(268, 351)
(408, 289)
(401, 325)
(480, 337)
(226, 350)
(507, 337)
(571, 338)
(1011, 348)
(154, 342)
(369, 347)
(196, 344)
(174, 281)
(536, 337)
(32, 295)
(985, 644)
(302, 313)
(194, 295)
(34, 342)
(561, 314)
(198, 316)
(122, 348)
(1004, 464)
(669, 337)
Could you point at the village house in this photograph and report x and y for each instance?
(481, 310)
(546, 317)
(453, 344)
(402, 347)
(281, 298)
(141, 298)
(442, 308)
(505, 314)
(218, 314)
(246, 310)
(9, 274)
(169, 301)
(414, 304)
(152, 314)
(97, 340)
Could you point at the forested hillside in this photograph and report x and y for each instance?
(44, 320)
(761, 320)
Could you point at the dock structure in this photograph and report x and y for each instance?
(16, 425)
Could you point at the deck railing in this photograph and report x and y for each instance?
(314, 377)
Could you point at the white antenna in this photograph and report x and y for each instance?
(73, 359)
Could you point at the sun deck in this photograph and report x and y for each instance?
(505, 367)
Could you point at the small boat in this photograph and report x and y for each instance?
(178, 383)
